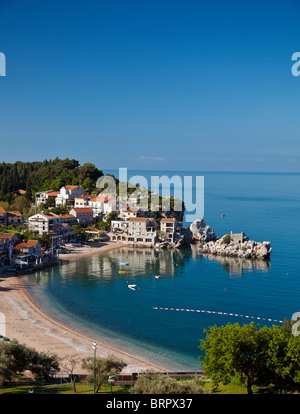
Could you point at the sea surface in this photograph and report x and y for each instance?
(91, 294)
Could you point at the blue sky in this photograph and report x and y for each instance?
(148, 84)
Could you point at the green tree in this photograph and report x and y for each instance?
(50, 202)
(261, 356)
(45, 240)
(21, 204)
(150, 382)
(16, 358)
(5, 205)
(88, 170)
(88, 185)
(104, 367)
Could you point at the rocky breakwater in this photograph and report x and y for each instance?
(231, 245)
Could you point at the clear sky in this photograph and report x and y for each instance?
(151, 84)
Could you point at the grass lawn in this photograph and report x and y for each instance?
(81, 388)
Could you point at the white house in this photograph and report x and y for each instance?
(43, 197)
(119, 225)
(52, 224)
(110, 206)
(44, 223)
(82, 201)
(68, 193)
(97, 204)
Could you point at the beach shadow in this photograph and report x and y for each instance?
(4, 289)
(96, 245)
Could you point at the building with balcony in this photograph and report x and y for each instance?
(44, 223)
(170, 229)
(97, 204)
(141, 230)
(51, 224)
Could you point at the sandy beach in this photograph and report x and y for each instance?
(27, 322)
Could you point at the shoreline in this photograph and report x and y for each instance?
(90, 250)
(28, 323)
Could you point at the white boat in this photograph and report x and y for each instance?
(133, 287)
(123, 263)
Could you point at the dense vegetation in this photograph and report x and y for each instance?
(263, 357)
(46, 175)
(49, 174)
(150, 382)
(16, 358)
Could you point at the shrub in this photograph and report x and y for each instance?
(226, 239)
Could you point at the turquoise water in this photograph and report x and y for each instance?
(91, 294)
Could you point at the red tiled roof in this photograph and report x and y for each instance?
(139, 219)
(14, 213)
(111, 201)
(24, 245)
(2, 210)
(95, 230)
(86, 196)
(49, 215)
(99, 199)
(70, 187)
(168, 220)
(83, 210)
(7, 235)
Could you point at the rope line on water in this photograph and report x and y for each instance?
(218, 313)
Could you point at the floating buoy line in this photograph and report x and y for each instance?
(218, 313)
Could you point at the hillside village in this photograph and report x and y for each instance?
(70, 216)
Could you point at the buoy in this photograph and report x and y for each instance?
(218, 313)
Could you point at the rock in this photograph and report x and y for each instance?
(201, 232)
(247, 249)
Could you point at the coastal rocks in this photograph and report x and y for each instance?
(201, 232)
(230, 245)
(245, 249)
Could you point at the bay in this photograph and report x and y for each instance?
(89, 293)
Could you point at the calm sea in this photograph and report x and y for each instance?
(91, 294)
